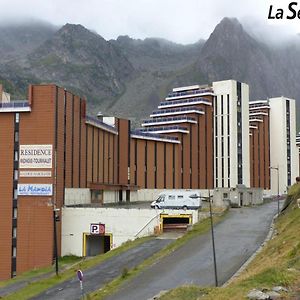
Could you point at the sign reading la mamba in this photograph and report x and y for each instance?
(35, 189)
(35, 157)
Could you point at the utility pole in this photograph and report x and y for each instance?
(213, 240)
(55, 240)
(277, 169)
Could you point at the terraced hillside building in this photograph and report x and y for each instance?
(187, 115)
(259, 132)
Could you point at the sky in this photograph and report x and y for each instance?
(181, 21)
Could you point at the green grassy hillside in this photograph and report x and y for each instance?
(277, 264)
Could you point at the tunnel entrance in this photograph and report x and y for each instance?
(176, 223)
(96, 244)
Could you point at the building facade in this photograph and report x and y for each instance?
(284, 157)
(199, 137)
(259, 132)
(231, 137)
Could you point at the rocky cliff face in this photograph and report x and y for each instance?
(129, 77)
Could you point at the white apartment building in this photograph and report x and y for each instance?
(284, 155)
(231, 134)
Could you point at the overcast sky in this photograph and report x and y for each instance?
(182, 21)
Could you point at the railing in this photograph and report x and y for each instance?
(183, 101)
(168, 119)
(100, 123)
(15, 104)
(154, 135)
(162, 128)
(174, 110)
(194, 92)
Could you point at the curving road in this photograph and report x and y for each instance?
(236, 239)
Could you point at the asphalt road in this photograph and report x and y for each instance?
(236, 239)
(96, 277)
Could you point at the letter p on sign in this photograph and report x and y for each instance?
(97, 228)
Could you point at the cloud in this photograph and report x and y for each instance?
(177, 20)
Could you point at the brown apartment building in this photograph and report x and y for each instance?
(259, 126)
(49, 145)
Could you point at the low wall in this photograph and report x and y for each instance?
(123, 223)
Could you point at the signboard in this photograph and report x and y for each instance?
(35, 173)
(80, 275)
(97, 228)
(35, 157)
(35, 189)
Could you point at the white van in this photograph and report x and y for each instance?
(178, 199)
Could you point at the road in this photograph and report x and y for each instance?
(236, 238)
(98, 276)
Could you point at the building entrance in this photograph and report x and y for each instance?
(96, 244)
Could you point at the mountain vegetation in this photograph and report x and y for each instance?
(129, 77)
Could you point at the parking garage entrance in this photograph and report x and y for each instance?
(177, 223)
(94, 244)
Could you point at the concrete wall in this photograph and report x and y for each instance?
(77, 196)
(124, 224)
(223, 197)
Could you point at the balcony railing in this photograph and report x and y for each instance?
(193, 92)
(176, 110)
(153, 135)
(15, 105)
(163, 128)
(185, 101)
(170, 120)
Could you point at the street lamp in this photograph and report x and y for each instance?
(55, 219)
(277, 169)
(213, 239)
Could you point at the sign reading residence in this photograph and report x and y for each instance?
(35, 157)
(35, 173)
(35, 189)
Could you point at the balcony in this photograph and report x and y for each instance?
(15, 106)
(153, 136)
(169, 120)
(192, 93)
(177, 111)
(183, 102)
(165, 129)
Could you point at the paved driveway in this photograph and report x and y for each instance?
(96, 277)
(237, 237)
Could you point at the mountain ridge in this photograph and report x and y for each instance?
(129, 77)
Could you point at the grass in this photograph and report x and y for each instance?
(199, 228)
(35, 288)
(277, 264)
(63, 263)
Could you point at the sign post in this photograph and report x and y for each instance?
(80, 278)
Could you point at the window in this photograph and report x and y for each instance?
(16, 136)
(171, 197)
(14, 252)
(225, 195)
(17, 117)
(180, 197)
(16, 155)
(15, 213)
(194, 196)
(16, 175)
(14, 232)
